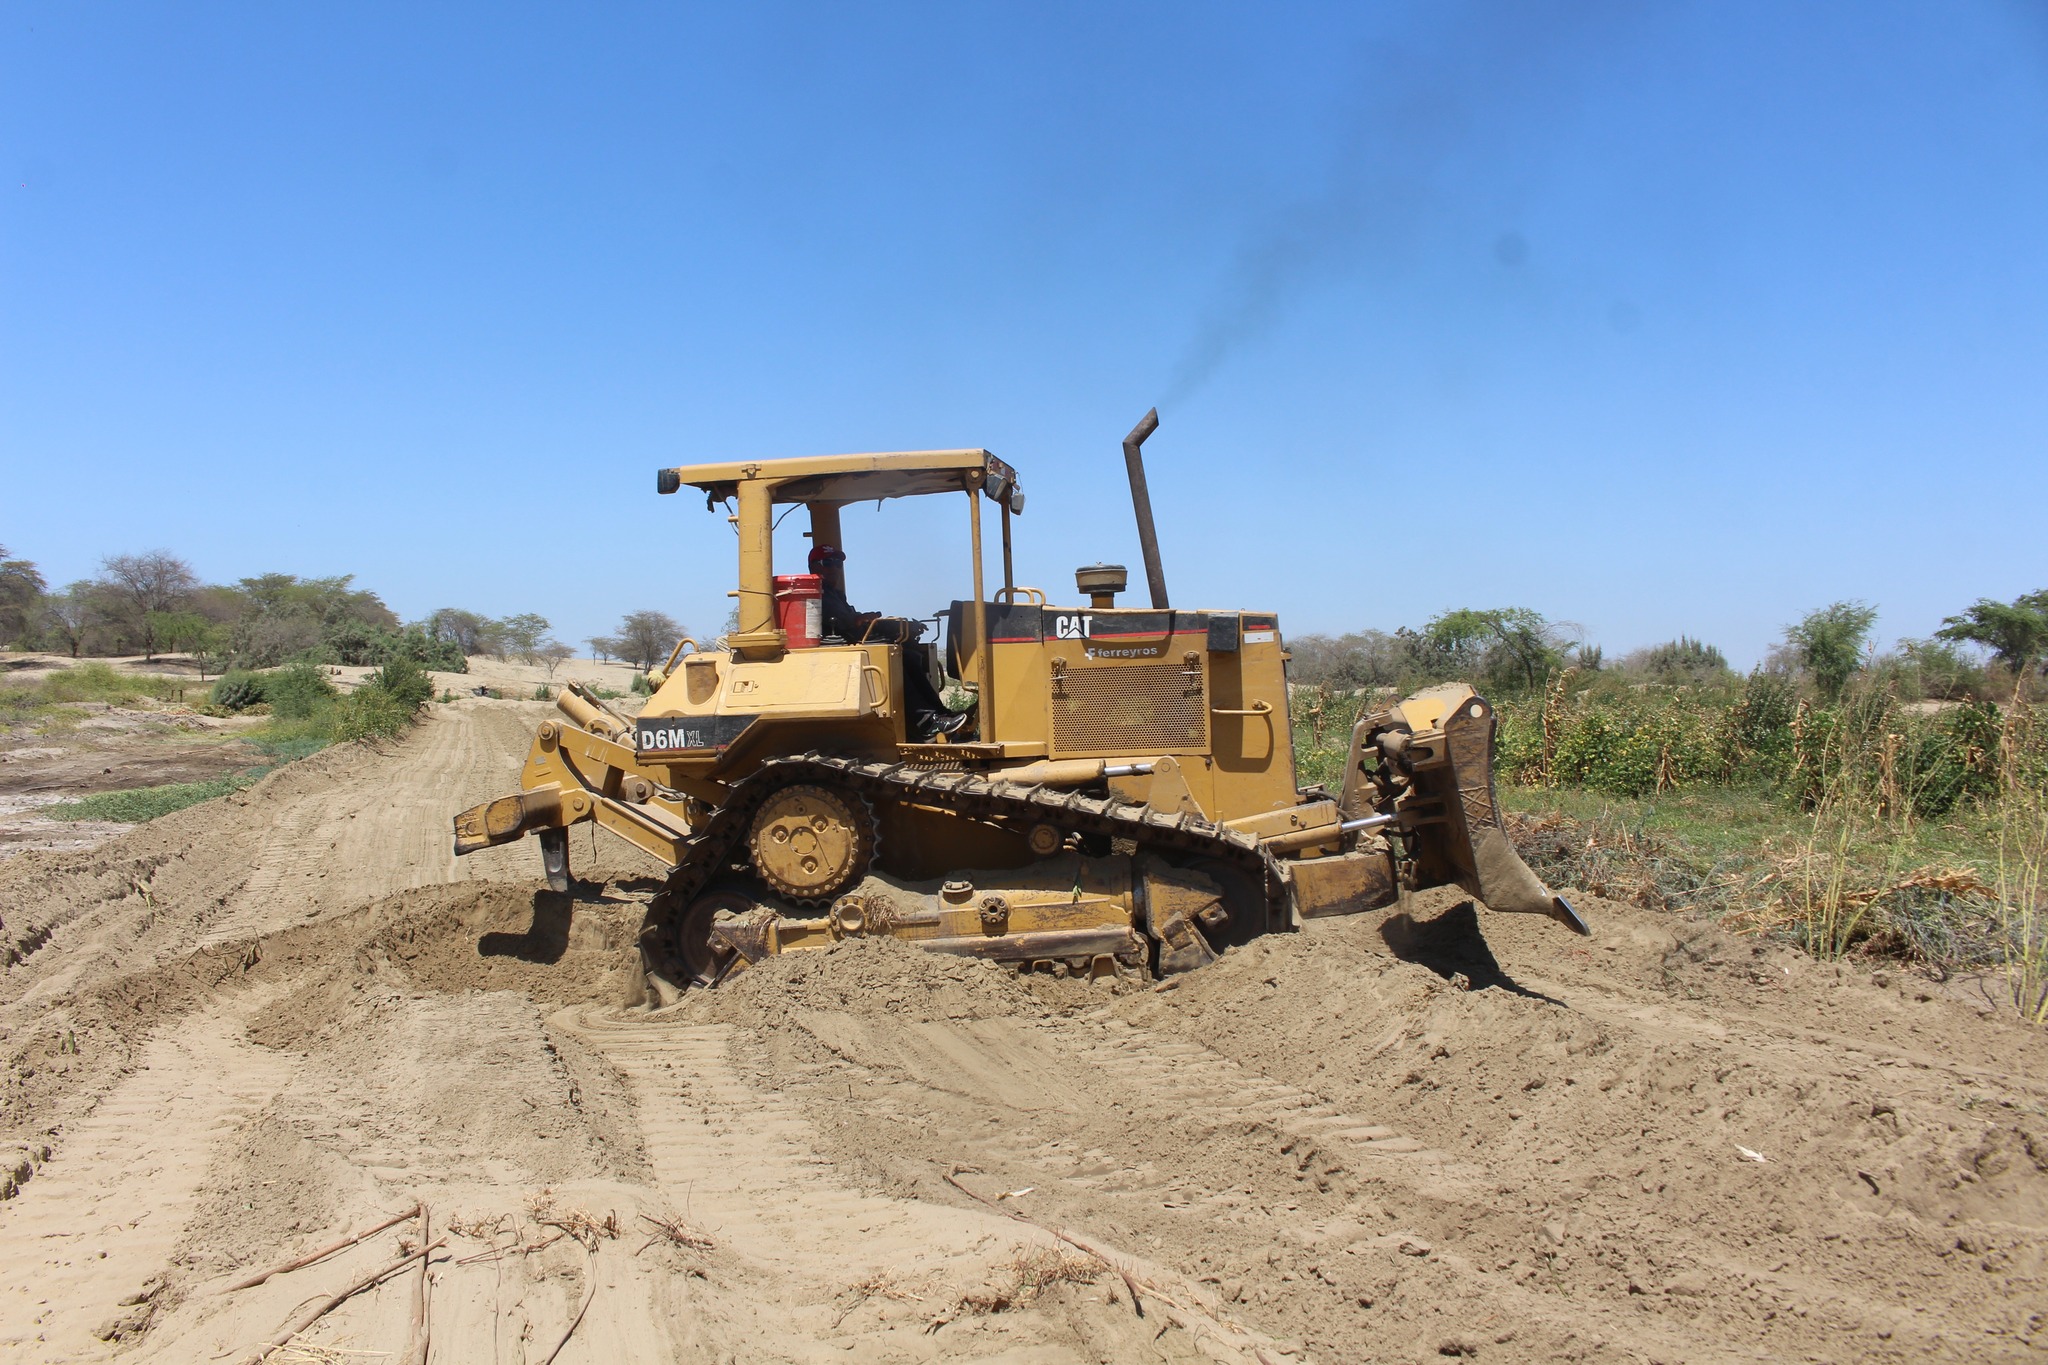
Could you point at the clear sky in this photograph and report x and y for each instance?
(1658, 318)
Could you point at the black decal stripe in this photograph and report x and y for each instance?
(687, 734)
(1017, 625)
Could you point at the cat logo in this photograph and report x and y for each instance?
(1072, 627)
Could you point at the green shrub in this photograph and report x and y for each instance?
(642, 686)
(1684, 660)
(1953, 759)
(237, 691)
(298, 691)
(442, 656)
(1756, 733)
(404, 681)
(370, 713)
(359, 642)
(542, 693)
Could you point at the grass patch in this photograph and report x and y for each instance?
(49, 699)
(140, 804)
(1747, 860)
(306, 714)
(288, 741)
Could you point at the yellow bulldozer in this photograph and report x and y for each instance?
(1118, 794)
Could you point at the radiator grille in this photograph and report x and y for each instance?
(1137, 709)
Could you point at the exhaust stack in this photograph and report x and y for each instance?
(1141, 502)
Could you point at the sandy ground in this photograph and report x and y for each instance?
(242, 1031)
(89, 747)
(484, 671)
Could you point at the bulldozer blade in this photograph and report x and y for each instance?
(1467, 843)
(1506, 884)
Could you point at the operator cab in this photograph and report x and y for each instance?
(798, 611)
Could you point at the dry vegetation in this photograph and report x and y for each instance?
(1875, 824)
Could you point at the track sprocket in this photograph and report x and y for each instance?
(810, 842)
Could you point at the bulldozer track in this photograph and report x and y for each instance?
(982, 798)
(742, 1162)
(1209, 1088)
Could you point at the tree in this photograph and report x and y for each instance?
(521, 637)
(552, 654)
(66, 616)
(1366, 658)
(646, 637)
(1938, 668)
(1829, 644)
(602, 647)
(2015, 632)
(21, 587)
(1684, 660)
(469, 632)
(180, 630)
(144, 585)
(269, 636)
(1508, 645)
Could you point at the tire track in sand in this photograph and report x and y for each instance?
(1182, 1075)
(385, 829)
(743, 1163)
(104, 1215)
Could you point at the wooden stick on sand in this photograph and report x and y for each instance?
(324, 1252)
(590, 1273)
(416, 1342)
(313, 1315)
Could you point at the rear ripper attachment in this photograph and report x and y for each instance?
(1118, 794)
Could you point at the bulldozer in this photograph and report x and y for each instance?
(1117, 795)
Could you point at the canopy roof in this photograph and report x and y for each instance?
(854, 478)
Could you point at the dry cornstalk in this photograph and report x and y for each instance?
(1130, 1283)
(1193, 1316)
(522, 1249)
(589, 1293)
(324, 1252)
(677, 1231)
(578, 1223)
(416, 1341)
(313, 1315)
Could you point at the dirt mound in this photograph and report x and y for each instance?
(871, 977)
(509, 936)
(1430, 1133)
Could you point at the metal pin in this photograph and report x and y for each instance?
(1366, 822)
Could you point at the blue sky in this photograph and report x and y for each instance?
(1661, 318)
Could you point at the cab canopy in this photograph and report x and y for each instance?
(854, 478)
